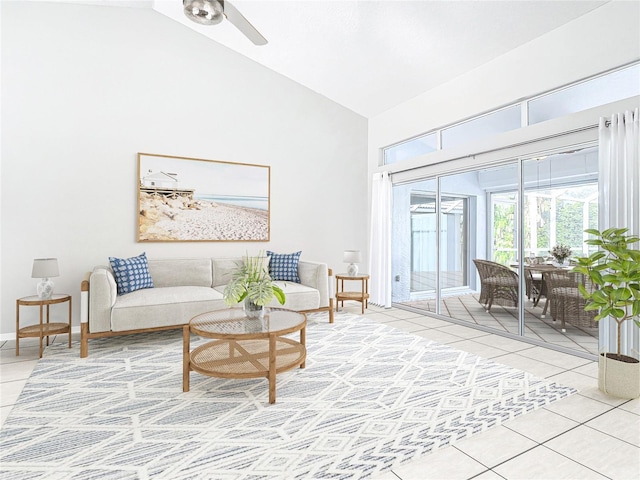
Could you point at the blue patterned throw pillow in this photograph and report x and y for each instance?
(284, 267)
(131, 273)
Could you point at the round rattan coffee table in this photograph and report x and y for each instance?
(244, 347)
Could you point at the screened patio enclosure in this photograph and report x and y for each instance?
(442, 224)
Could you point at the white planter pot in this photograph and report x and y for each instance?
(618, 379)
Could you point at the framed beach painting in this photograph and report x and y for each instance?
(184, 199)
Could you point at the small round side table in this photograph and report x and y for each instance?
(42, 329)
(362, 296)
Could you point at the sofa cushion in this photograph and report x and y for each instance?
(284, 266)
(177, 272)
(298, 297)
(223, 269)
(164, 306)
(131, 274)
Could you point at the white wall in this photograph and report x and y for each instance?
(604, 38)
(84, 88)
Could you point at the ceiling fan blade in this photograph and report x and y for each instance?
(242, 24)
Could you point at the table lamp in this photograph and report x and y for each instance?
(352, 257)
(44, 268)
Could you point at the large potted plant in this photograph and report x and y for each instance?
(615, 271)
(252, 284)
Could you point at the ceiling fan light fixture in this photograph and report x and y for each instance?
(204, 12)
(212, 12)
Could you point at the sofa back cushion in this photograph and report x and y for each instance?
(223, 269)
(181, 272)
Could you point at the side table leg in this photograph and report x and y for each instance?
(186, 367)
(366, 290)
(272, 368)
(69, 321)
(17, 328)
(41, 331)
(48, 324)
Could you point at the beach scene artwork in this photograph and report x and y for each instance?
(189, 199)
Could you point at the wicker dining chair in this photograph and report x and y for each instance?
(566, 302)
(498, 284)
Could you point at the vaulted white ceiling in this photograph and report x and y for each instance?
(371, 55)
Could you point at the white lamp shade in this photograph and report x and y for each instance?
(351, 256)
(45, 268)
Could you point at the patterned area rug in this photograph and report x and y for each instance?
(371, 397)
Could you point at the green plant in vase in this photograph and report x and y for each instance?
(252, 284)
(560, 253)
(615, 271)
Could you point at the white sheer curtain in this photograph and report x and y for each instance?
(619, 185)
(380, 241)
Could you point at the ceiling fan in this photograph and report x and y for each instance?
(211, 12)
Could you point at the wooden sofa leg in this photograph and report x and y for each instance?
(331, 310)
(84, 340)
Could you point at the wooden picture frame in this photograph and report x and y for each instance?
(182, 199)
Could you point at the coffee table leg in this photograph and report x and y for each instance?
(186, 341)
(272, 368)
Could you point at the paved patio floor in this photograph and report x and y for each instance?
(466, 307)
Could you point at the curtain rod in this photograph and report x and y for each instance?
(519, 144)
(607, 123)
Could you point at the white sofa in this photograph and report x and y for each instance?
(182, 289)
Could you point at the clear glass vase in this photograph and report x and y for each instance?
(559, 262)
(252, 310)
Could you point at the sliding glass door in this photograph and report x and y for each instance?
(453, 233)
(414, 239)
(424, 232)
(504, 231)
(560, 202)
(467, 245)
(456, 243)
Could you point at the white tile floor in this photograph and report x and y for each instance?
(588, 435)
